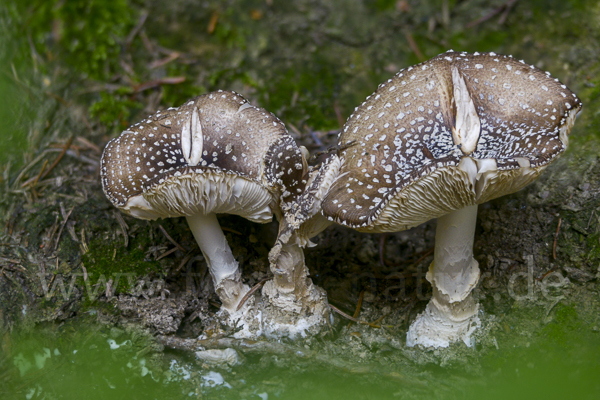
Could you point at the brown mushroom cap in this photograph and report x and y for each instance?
(216, 153)
(457, 130)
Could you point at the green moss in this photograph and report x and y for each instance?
(383, 5)
(41, 218)
(113, 110)
(306, 93)
(560, 329)
(87, 34)
(111, 260)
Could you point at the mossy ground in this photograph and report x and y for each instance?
(311, 63)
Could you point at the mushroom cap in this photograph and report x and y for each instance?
(457, 130)
(216, 153)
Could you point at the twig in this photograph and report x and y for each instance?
(136, 29)
(358, 321)
(413, 46)
(504, 7)
(37, 178)
(69, 226)
(166, 253)
(169, 80)
(60, 156)
(541, 278)
(214, 18)
(424, 256)
(124, 227)
(180, 247)
(251, 292)
(159, 63)
(556, 239)
(185, 260)
(89, 144)
(295, 129)
(590, 220)
(231, 230)
(62, 226)
(358, 306)
(30, 165)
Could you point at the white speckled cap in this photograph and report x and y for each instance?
(457, 130)
(216, 153)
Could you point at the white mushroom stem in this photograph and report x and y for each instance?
(451, 314)
(223, 267)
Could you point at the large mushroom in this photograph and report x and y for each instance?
(216, 154)
(435, 141)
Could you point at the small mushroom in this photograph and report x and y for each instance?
(435, 141)
(216, 154)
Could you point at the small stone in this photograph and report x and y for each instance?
(578, 274)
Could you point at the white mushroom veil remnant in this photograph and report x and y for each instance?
(435, 141)
(216, 154)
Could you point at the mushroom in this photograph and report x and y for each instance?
(216, 154)
(435, 141)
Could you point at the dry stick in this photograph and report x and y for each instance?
(31, 164)
(556, 239)
(185, 260)
(507, 9)
(214, 18)
(123, 226)
(37, 178)
(358, 306)
(89, 144)
(541, 278)
(180, 247)
(169, 80)
(413, 46)
(358, 321)
(225, 229)
(62, 226)
(251, 292)
(378, 320)
(159, 63)
(293, 128)
(166, 253)
(590, 220)
(504, 7)
(427, 254)
(136, 29)
(55, 163)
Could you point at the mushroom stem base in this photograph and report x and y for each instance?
(443, 323)
(293, 306)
